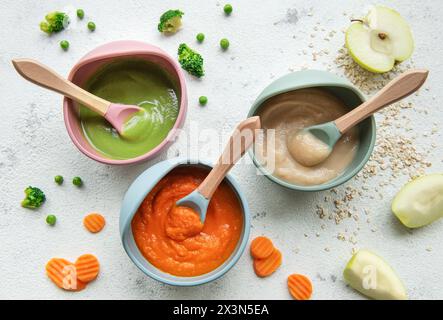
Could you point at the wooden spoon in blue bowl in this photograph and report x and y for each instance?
(240, 141)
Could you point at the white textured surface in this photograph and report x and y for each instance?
(34, 147)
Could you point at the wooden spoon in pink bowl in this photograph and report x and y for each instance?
(116, 114)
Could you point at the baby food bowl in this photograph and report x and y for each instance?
(106, 53)
(134, 197)
(342, 89)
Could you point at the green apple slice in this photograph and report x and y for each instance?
(420, 202)
(369, 274)
(394, 29)
(358, 42)
(379, 40)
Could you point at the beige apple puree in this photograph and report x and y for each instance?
(307, 149)
(287, 114)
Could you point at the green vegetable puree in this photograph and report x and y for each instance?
(134, 82)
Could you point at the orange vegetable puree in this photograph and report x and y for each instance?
(173, 239)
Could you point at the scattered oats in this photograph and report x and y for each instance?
(321, 212)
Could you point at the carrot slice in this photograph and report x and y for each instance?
(87, 267)
(265, 267)
(261, 247)
(64, 275)
(94, 222)
(300, 286)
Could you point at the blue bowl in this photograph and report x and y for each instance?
(343, 90)
(137, 192)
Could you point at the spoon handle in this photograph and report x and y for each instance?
(45, 77)
(399, 88)
(240, 141)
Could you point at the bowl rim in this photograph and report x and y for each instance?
(219, 271)
(340, 83)
(149, 50)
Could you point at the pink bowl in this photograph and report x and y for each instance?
(89, 64)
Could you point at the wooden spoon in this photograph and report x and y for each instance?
(313, 145)
(240, 141)
(116, 114)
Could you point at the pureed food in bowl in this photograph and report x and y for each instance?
(173, 239)
(131, 81)
(290, 112)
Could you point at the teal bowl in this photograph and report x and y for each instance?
(342, 89)
(134, 196)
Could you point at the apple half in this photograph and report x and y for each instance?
(379, 40)
(369, 274)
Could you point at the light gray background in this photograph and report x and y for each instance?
(34, 147)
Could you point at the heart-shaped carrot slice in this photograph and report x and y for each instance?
(64, 275)
(265, 267)
(94, 222)
(300, 286)
(87, 267)
(261, 247)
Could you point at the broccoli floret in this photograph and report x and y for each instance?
(170, 21)
(190, 60)
(34, 198)
(54, 22)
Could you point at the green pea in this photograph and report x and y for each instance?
(91, 25)
(203, 100)
(77, 181)
(58, 179)
(64, 45)
(224, 43)
(80, 13)
(200, 37)
(51, 219)
(227, 9)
